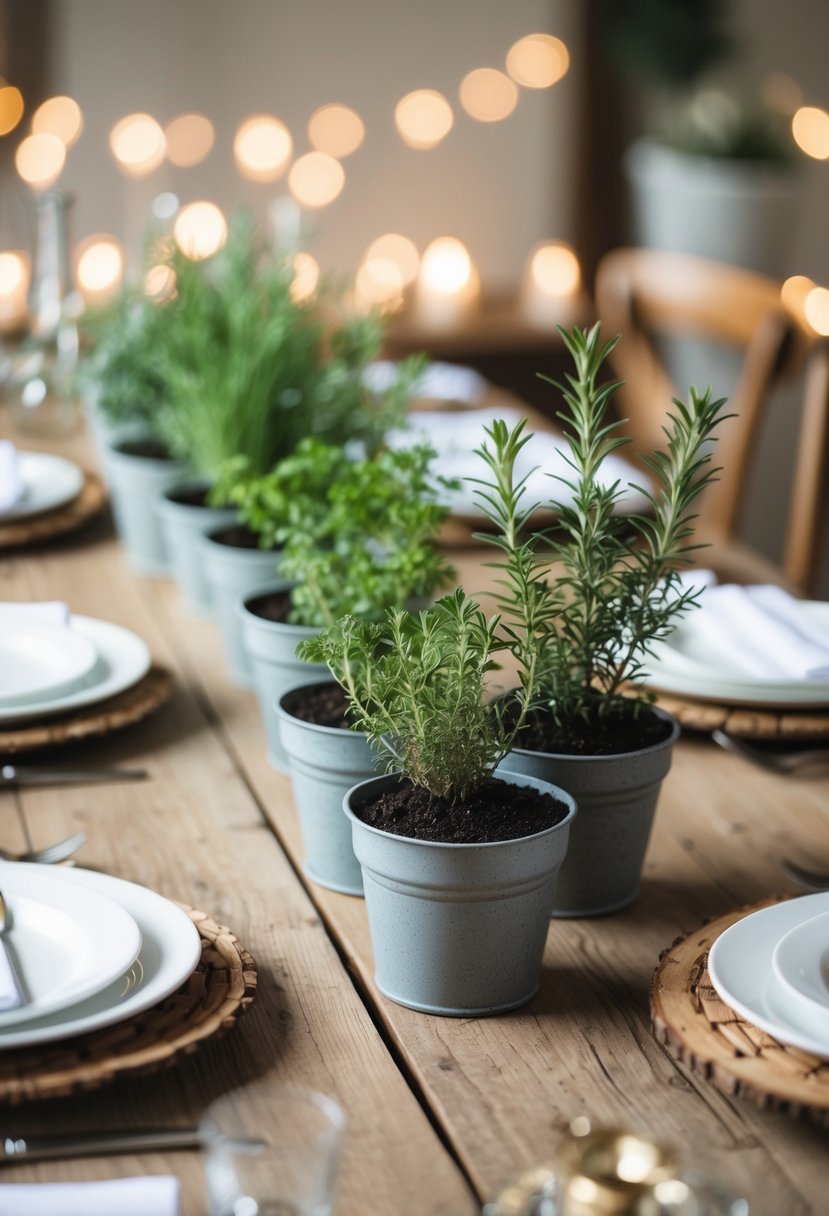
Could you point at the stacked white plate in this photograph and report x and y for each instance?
(46, 483)
(689, 663)
(50, 669)
(772, 967)
(90, 950)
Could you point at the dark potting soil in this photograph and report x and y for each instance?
(497, 811)
(189, 496)
(149, 449)
(322, 705)
(275, 606)
(237, 536)
(614, 737)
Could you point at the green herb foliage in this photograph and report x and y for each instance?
(358, 535)
(416, 683)
(120, 367)
(250, 370)
(582, 632)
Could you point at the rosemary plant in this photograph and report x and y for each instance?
(581, 630)
(250, 370)
(357, 536)
(416, 684)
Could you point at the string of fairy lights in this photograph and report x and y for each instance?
(445, 279)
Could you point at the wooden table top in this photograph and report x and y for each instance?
(441, 1111)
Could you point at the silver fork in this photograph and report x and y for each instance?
(19, 998)
(778, 762)
(812, 880)
(50, 853)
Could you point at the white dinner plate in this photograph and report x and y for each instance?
(39, 660)
(123, 658)
(801, 963)
(740, 967)
(66, 942)
(170, 950)
(48, 482)
(684, 663)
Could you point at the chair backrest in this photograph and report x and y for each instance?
(646, 294)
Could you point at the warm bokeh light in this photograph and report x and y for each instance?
(538, 61)
(554, 268)
(336, 129)
(781, 92)
(793, 294)
(100, 268)
(816, 309)
(393, 247)
(200, 230)
(423, 118)
(379, 286)
(61, 117)
(138, 144)
(160, 283)
(446, 266)
(810, 128)
(11, 108)
(14, 285)
(39, 160)
(316, 179)
(190, 139)
(12, 273)
(262, 147)
(306, 277)
(488, 95)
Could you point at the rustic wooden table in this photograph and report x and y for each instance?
(441, 1111)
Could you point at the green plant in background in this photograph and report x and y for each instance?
(581, 633)
(119, 367)
(416, 684)
(357, 536)
(250, 370)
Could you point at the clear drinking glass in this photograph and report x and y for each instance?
(271, 1151)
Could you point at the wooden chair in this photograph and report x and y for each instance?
(646, 294)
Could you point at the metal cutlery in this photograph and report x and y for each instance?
(14, 775)
(776, 761)
(50, 853)
(812, 880)
(14, 1149)
(18, 996)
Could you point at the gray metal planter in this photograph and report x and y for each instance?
(231, 572)
(326, 762)
(616, 797)
(458, 929)
(271, 650)
(134, 483)
(182, 526)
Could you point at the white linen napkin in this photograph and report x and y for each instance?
(763, 632)
(11, 483)
(439, 381)
(44, 612)
(154, 1196)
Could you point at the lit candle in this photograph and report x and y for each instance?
(448, 285)
(552, 281)
(14, 285)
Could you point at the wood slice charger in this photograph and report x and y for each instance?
(712, 1039)
(48, 525)
(207, 1004)
(748, 722)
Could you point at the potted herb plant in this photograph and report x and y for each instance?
(251, 369)
(581, 629)
(125, 393)
(459, 864)
(358, 537)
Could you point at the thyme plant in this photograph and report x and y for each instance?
(581, 630)
(357, 536)
(416, 684)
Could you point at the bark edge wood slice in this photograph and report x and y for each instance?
(789, 725)
(38, 529)
(700, 1031)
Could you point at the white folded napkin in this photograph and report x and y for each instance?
(10, 994)
(763, 632)
(11, 483)
(439, 381)
(43, 612)
(155, 1196)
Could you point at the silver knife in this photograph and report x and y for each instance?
(18, 1149)
(31, 774)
